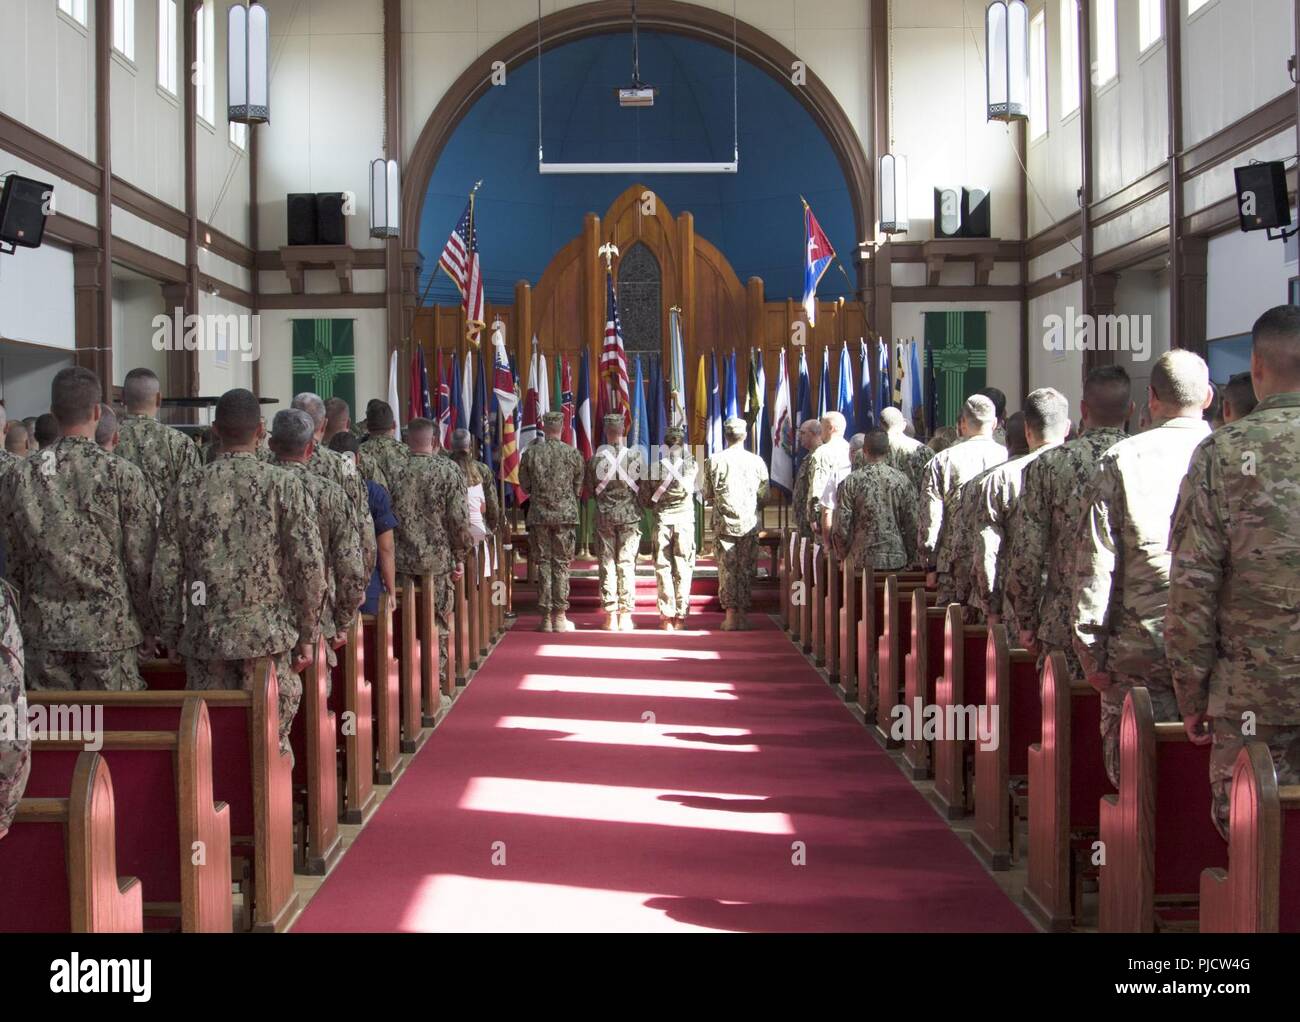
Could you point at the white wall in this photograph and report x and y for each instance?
(1064, 369)
(25, 377)
(1054, 163)
(1247, 275)
(1003, 337)
(277, 345)
(135, 304)
(36, 296)
(47, 76)
(1144, 293)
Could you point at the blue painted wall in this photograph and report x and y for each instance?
(524, 218)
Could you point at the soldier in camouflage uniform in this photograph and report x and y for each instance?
(810, 437)
(82, 528)
(343, 473)
(551, 472)
(906, 454)
(613, 474)
(382, 457)
(875, 512)
(240, 572)
(735, 480)
(999, 399)
(163, 454)
(1046, 520)
(1043, 425)
(671, 496)
(941, 496)
(433, 531)
(292, 437)
(15, 752)
(1231, 635)
(1121, 586)
(831, 462)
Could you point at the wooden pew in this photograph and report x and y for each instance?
(849, 618)
(1011, 692)
(426, 628)
(406, 639)
(352, 703)
(870, 598)
(920, 664)
(314, 738)
(164, 811)
(794, 620)
(888, 637)
(1259, 892)
(483, 605)
(962, 684)
(1066, 781)
(460, 630)
(806, 615)
(384, 675)
(249, 773)
(1156, 832)
(817, 594)
(834, 595)
(784, 578)
(59, 859)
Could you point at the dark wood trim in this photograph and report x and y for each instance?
(877, 294)
(148, 262)
(603, 16)
(1138, 250)
(254, 227)
(1050, 238)
(1086, 169)
(1053, 281)
(959, 293)
(1174, 89)
(70, 231)
(365, 300)
(148, 208)
(52, 157)
(226, 291)
(224, 245)
(183, 366)
(102, 359)
(362, 259)
(1022, 142)
(398, 337)
(1148, 186)
(1222, 217)
(915, 251)
(1274, 117)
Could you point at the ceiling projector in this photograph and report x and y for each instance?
(637, 95)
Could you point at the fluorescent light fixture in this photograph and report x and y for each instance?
(732, 167)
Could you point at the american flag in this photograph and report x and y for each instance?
(460, 259)
(566, 402)
(613, 358)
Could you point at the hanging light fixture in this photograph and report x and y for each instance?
(1006, 26)
(385, 199)
(893, 194)
(247, 80)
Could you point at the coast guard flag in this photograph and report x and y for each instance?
(817, 256)
(845, 404)
(803, 411)
(782, 434)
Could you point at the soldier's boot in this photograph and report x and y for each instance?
(625, 622)
(561, 623)
(680, 623)
(742, 622)
(611, 622)
(666, 624)
(729, 622)
(546, 625)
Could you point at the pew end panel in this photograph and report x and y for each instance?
(314, 738)
(960, 695)
(383, 673)
(919, 681)
(351, 701)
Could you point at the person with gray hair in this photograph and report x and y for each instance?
(856, 443)
(735, 481)
(941, 485)
(906, 454)
(293, 437)
(1046, 420)
(831, 462)
(106, 434)
(1121, 587)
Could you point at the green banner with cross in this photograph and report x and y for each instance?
(324, 361)
(958, 346)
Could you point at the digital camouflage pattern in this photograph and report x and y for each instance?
(996, 498)
(961, 529)
(342, 471)
(672, 499)
(8, 462)
(829, 461)
(430, 502)
(382, 459)
(909, 456)
(163, 454)
(1231, 634)
(15, 753)
(612, 477)
(875, 518)
(1046, 523)
(552, 474)
(940, 482)
(799, 498)
(491, 499)
(240, 572)
(345, 571)
(735, 481)
(82, 529)
(1121, 587)
(240, 675)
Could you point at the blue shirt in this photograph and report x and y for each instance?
(381, 510)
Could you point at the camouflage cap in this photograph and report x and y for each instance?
(614, 419)
(674, 435)
(734, 428)
(550, 420)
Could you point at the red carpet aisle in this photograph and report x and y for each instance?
(655, 781)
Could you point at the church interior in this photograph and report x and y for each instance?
(627, 466)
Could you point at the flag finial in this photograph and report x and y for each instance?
(609, 252)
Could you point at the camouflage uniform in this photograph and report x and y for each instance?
(940, 496)
(163, 454)
(341, 470)
(431, 504)
(995, 500)
(382, 460)
(491, 501)
(240, 574)
(83, 526)
(829, 461)
(612, 475)
(8, 462)
(1121, 586)
(799, 499)
(910, 457)
(345, 574)
(875, 518)
(551, 472)
(735, 480)
(672, 499)
(1046, 523)
(1231, 635)
(16, 753)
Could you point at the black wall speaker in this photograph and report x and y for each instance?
(301, 208)
(1261, 196)
(947, 213)
(329, 219)
(23, 203)
(975, 213)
